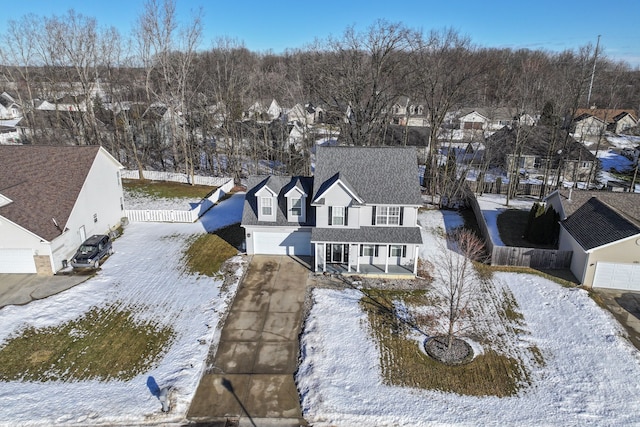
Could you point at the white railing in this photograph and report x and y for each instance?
(149, 215)
(212, 181)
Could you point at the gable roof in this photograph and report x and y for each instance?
(495, 113)
(595, 224)
(379, 175)
(43, 182)
(331, 181)
(628, 204)
(605, 114)
(279, 185)
(537, 141)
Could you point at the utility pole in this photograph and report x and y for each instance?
(593, 72)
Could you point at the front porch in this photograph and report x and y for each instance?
(372, 270)
(383, 260)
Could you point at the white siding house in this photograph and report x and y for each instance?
(54, 198)
(357, 214)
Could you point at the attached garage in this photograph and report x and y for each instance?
(17, 261)
(611, 275)
(282, 243)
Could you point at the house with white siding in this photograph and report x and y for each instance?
(356, 215)
(51, 199)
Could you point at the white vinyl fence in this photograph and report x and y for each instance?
(212, 181)
(149, 215)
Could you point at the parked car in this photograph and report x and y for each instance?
(92, 251)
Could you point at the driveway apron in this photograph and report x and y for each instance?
(250, 378)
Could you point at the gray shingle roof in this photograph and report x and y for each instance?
(595, 224)
(43, 182)
(627, 204)
(381, 235)
(379, 175)
(280, 185)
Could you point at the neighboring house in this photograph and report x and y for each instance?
(9, 135)
(464, 152)
(274, 111)
(305, 115)
(411, 136)
(534, 152)
(594, 121)
(51, 199)
(405, 112)
(65, 103)
(9, 108)
(488, 119)
(62, 126)
(357, 214)
(602, 229)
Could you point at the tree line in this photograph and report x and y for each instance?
(203, 95)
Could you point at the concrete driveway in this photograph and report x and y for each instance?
(20, 289)
(250, 377)
(625, 307)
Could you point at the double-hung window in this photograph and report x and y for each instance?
(296, 207)
(337, 215)
(398, 250)
(388, 215)
(266, 206)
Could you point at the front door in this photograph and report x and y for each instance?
(337, 253)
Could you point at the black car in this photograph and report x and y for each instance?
(92, 251)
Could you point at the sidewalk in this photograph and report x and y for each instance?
(250, 378)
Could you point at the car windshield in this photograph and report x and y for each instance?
(85, 249)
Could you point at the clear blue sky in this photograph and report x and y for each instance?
(264, 25)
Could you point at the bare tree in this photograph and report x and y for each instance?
(444, 67)
(456, 281)
(355, 78)
(167, 53)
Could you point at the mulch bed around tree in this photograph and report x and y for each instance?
(459, 354)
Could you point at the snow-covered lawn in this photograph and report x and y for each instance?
(492, 205)
(589, 375)
(147, 275)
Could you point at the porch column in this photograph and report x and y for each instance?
(358, 258)
(386, 259)
(349, 258)
(324, 257)
(415, 260)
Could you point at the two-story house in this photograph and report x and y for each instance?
(357, 214)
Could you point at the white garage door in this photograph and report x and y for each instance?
(17, 261)
(294, 243)
(613, 275)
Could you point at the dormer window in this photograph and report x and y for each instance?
(296, 207)
(266, 206)
(296, 202)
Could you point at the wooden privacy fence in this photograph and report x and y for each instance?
(212, 181)
(530, 257)
(519, 256)
(152, 215)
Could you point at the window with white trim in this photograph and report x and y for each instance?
(388, 215)
(296, 207)
(369, 250)
(397, 250)
(337, 215)
(266, 206)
